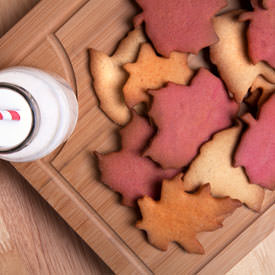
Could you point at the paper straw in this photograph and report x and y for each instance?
(9, 115)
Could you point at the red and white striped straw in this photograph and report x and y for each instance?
(9, 115)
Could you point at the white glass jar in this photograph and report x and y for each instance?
(48, 112)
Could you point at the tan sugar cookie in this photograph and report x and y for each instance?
(152, 72)
(214, 165)
(231, 57)
(109, 76)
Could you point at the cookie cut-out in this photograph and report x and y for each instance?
(178, 25)
(152, 72)
(180, 216)
(109, 76)
(126, 171)
(260, 92)
(256, 151)
(261, 31)
(214, 165)
(230, 56)
(186, 117)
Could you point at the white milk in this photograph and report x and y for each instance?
(48, 109)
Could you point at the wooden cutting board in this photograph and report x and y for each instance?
(55, 37)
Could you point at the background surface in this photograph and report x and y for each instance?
(41, 242)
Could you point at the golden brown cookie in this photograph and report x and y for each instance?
(230, 56)
(109, 76)
(179, 216)
(214, 165)
(152, 72)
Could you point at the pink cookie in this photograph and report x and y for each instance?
(179, 25)
(256, 151)
(126, 171)
(187, 116)
(261, 31)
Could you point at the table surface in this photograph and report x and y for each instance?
(41, 241)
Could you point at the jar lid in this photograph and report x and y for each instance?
(14, 132)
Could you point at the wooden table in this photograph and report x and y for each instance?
(42, 242)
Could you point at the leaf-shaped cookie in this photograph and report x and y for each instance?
(179, 216)
(179, 25)
(256, 151)
(126, 171)
(260, 92)
(261, 31)
(230, 56)
(109, 76)
(186, 117)
(152, 72)
(214, 165)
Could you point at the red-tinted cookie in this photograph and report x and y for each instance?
(256, 152)
(261, 31)
(126, 171)
(187, 116)
(179, 25)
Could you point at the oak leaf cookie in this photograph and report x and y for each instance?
(230, 56)
(256, 151)
(186, 117)
(126, 171)
(261, 31)
(180, 216)
(179, 25)
(109, 76)
(214, 165)
(152, 72)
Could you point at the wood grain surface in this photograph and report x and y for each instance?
(12, 11)
(48, 244)
(41, 242)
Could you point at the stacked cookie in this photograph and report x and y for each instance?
(190, 135)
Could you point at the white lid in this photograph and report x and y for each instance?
(13, 133)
